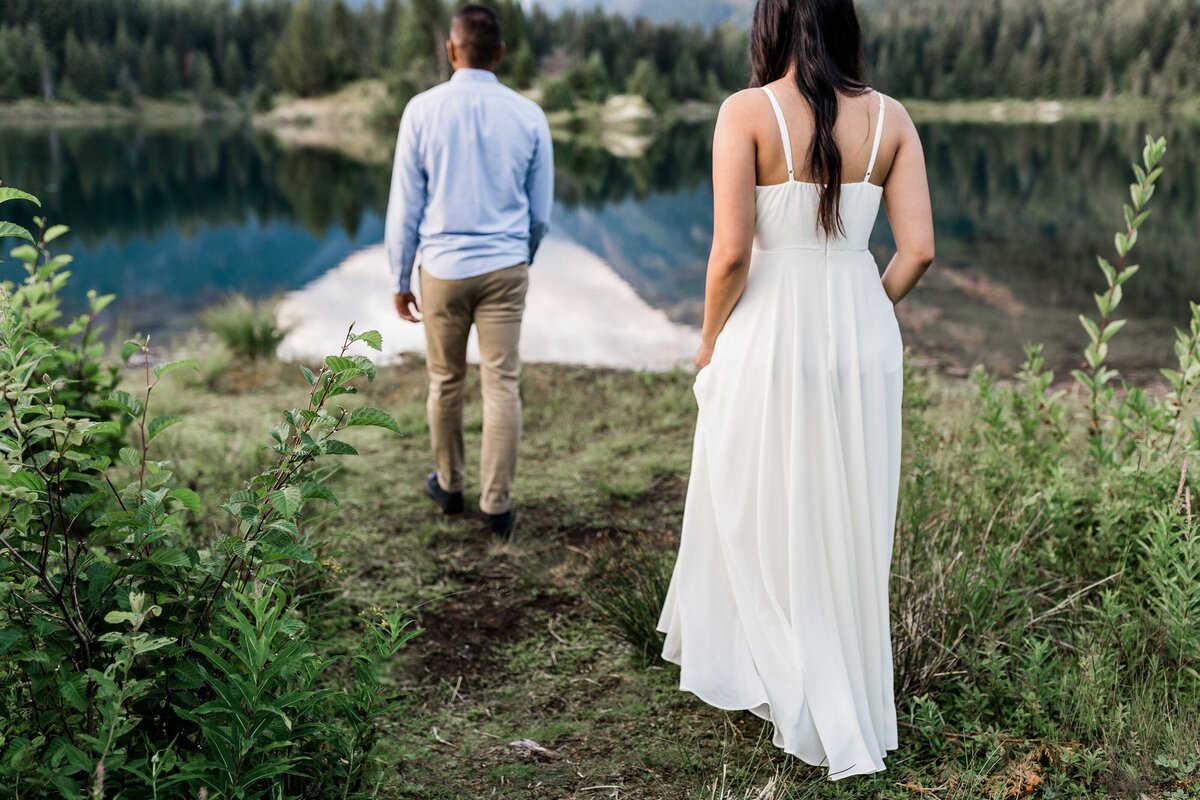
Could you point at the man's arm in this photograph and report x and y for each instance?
(406, 206)
(539, 185)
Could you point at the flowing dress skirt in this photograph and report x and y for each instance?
(779, 599)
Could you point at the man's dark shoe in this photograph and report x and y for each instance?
(501, 525)
(449, 502)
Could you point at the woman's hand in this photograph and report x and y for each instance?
(705, 355)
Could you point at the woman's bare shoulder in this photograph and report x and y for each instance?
(741, 112)
(897, 115)
(743, 102)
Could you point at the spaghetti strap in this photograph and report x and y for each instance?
(783, 133)
(878, 139)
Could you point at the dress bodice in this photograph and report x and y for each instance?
(786, 213)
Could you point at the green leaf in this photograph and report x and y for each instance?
(1127, 273)
(332, 447)
(143, 645)
(1113, 329)
(372, 417)
(54, 232)
(27, 479)
(170, 557)
(340, 363)
(373, 340)
(309, 375)
(106, 428)
(1093, 330)
(9, 193)
(15, 230)
(1123, 244)
(117, 617)
(72, 692)
(9, 636)
(287, 501)
(315, 490)
(171, 366)
(160, 424)
(189, 499)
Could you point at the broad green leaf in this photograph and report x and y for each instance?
(25, 253)
(9, 636)
(372, 417)
(340, 363)
(315, 490)
(117, 617)
(373, 340)
(189, 499)
(54, 232)
(309, 375)
(287, 501)
(15, 230)
(171, 366)
(26, 479)
(150, 645)
(333, 447)
(160, 424)
(9, 193)
(130, 457)
(72, 692)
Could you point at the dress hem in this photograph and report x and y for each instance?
(831, 776)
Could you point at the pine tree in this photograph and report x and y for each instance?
(204, 84)
(340, 46)
(646, 82)
(233, 70)
(296, 62)
(150, 70)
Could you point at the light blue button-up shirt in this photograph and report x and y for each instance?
(473, 181)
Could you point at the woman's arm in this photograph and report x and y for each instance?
(733, 217)
(906, 193)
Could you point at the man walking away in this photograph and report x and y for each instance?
(472, 188)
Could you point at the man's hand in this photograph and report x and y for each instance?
(406, 304)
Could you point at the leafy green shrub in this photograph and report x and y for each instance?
(142, 657)
(248, 328)
(1047, 561)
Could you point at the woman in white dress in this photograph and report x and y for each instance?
(779, 599)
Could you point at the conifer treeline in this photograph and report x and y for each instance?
(942, 49)
(952, 49)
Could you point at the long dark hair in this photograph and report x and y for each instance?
(823, 41)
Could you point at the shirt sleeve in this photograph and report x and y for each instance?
(540, 187)
(406, 204)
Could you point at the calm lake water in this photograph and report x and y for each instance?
(173, 221)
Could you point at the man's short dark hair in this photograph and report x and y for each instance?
(479, 32)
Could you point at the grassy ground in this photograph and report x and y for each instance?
(513, 651)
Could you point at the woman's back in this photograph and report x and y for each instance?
(854, 133)
(788, 212)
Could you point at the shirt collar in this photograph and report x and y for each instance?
(478, 75)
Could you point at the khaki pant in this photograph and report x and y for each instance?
(494, 303)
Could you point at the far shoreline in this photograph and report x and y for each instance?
(334, 111)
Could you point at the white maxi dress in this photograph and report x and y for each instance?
(778, 603)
